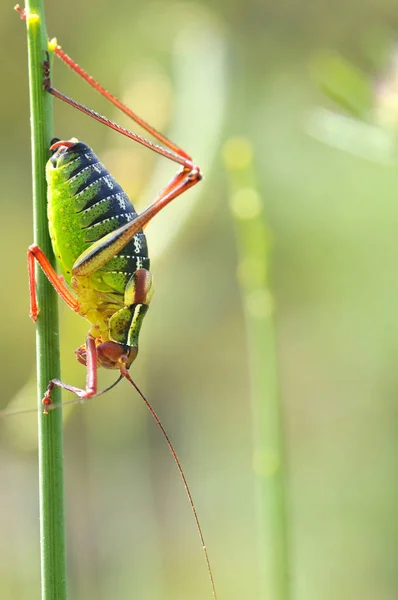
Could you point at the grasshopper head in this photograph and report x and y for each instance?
(66, 152)
(60, 149)
(110, 355)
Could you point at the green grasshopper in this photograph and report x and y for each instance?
(101, 249)
(98, 241)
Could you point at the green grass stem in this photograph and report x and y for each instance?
(52, 522)
(253, 245)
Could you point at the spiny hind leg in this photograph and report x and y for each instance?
(169, 149)
(91, 377)
(116, 102)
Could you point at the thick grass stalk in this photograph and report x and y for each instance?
(253, 245)
(52, 524)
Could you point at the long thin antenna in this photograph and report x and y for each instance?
(126, 374)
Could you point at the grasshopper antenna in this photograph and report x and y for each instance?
(50, 407)
(125, 373)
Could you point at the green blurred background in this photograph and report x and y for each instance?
(205, 72)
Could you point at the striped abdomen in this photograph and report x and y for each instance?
(85, 203)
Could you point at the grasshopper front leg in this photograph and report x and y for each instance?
(91, 378)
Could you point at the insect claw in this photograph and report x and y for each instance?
(21, 11)
(46, 402)
(34, 315)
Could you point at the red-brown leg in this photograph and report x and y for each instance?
(91, 378)
(116, 102)
(172, 152)
(99, 253)
(35, 253)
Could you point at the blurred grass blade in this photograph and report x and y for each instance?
(253, 244)
(344, 83)
(369, 131)
(353, 136)
(52, 526)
